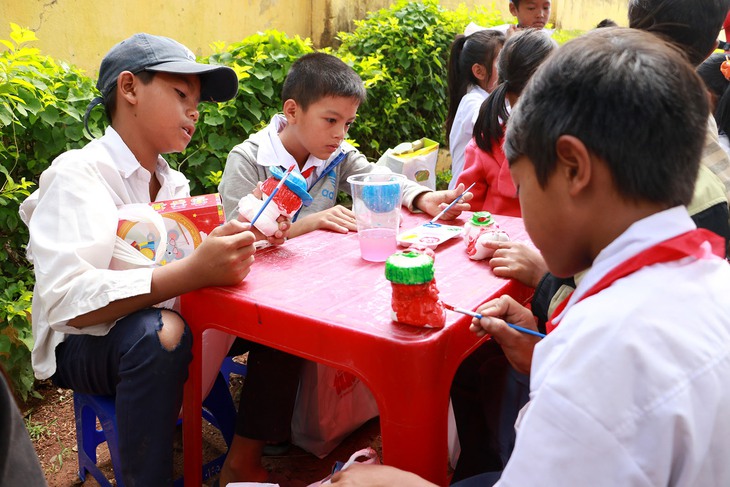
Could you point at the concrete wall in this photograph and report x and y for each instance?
(81, 31)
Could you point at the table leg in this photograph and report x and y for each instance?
(192, 419)
(413, 427)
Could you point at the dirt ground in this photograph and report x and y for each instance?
(51, 425)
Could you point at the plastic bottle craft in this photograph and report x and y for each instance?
(287, 201)
(482, 228)
(415, 299)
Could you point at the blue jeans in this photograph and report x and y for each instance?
(147, 380)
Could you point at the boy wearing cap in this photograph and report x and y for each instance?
(99, 330)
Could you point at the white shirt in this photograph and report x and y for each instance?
(633, 387)
(271, 151)
(462, 129)
(73, 220)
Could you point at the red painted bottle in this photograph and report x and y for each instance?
(415, 299)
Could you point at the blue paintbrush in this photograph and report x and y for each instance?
(478, 316)
(273, 193)
(456, 200)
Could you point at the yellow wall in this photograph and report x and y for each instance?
(81, 31)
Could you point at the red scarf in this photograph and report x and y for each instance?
(684, 245)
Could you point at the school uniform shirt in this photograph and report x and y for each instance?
(463, 127)
(72, 218)
(633, 386)
(250, 162)
(494, 190)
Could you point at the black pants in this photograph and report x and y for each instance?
(269, 392)
(487, 394)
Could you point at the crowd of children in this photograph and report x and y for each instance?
(612, 157)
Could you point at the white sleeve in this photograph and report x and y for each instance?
(72, 234)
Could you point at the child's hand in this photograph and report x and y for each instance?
(435, 201)
(225, 256)
(517, 346)
(359, 475)
(280, 236)
(517, 260)
(336, 219)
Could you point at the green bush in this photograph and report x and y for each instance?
(261, 62)
(402, 55)
(41, 107)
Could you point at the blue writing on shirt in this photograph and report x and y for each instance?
(328, 188)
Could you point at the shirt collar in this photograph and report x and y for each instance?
(271, 151)
(170, 181)
(639, 236)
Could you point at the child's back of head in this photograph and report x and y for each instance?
(318, 75)
(520, 57)
(632, 100)
(691, 25)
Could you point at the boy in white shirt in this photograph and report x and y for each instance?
(97, 330)
(631, 385)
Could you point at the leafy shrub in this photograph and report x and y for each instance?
(261, 62)
(402, 55)
(41, 106)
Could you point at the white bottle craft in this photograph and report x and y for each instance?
(482, 228)
(287, 201)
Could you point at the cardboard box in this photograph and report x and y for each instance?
(187, 222)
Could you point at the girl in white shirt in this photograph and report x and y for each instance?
(471, 77)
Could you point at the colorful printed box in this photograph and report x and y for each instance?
(187, 222)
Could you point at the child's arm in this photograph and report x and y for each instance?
(517, 346)
(433, 202)
(223, 258)
(517, 260)
(336, 219)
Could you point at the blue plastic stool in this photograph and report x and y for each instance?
(218, 410)
(230, 366)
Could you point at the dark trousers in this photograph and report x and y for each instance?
(269, 392)
(487, 394)
(147, 381)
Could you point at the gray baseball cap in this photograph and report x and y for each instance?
(146, 52)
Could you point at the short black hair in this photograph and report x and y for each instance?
(693, 25)
(606, 23)
(317, 75)
(632, 100)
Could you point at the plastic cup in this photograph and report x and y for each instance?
(376, 201)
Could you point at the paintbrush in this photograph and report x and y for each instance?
(443, 212)
(273, 193)
(478, 316)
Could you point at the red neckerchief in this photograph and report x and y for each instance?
(684, 245)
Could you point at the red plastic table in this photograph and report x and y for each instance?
(316, 298)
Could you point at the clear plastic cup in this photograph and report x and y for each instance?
(376, 201)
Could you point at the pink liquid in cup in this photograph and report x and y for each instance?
(377, 244)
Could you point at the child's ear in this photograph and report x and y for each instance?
(126, 84)
(291, 110)
(512, 9)
(574, 163)
(479, 71)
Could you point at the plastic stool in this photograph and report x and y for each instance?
(218, 410)
(230, 366)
